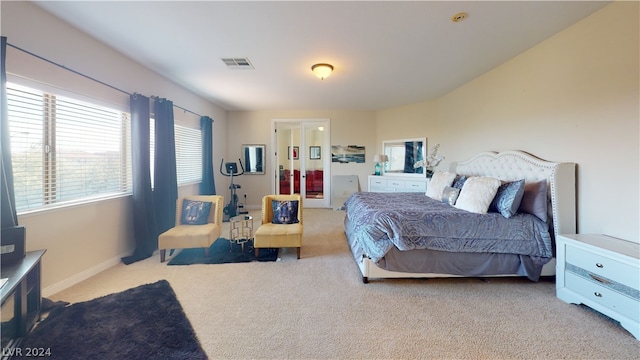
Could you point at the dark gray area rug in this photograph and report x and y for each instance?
(146, 322)
(223, 251)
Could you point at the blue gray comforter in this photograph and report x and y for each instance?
(415, 221)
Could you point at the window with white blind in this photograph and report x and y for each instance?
(188, 153)
(64, 150)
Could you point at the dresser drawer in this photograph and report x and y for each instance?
(415, 186)
(608, 298)
(378, 183)
(604, 266)
(396, 184)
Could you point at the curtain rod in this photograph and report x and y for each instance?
(85, 76)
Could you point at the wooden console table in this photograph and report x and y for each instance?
(21, 297)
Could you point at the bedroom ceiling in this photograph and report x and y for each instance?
(385, 53)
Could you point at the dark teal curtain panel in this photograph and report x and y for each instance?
(207, 186)
(144, 220)
(408, 157)
(247, 158)
(7, 195)
(165, 178)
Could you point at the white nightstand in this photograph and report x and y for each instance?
(603, 273)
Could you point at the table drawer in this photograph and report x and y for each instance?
(608, 298)
(604, 266)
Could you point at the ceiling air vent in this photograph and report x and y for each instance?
(237, 63)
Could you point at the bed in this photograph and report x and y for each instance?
(410, 235)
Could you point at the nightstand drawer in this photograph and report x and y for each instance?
(603, 266)
(608, 298)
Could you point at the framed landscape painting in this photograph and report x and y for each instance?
(347, 153)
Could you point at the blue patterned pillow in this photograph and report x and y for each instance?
(285, 212)
(195, 212)
(508, 198)
(458, 182)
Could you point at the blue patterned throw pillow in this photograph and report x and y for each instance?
(458, 182)
(508, 198)
(195, 212)
(285, 212)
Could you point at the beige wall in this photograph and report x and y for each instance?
(574, 97)
(255, 127)
(84, 239)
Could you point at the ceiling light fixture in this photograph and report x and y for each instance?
(322, 70)
(459, 17)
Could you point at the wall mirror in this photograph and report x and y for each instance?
(253, 158)
(403, 154)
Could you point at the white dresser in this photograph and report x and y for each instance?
(397, 184)
(603, 273)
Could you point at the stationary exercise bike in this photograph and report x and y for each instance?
(231, 168)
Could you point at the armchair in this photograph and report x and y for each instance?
(193, 236)
(270, 235)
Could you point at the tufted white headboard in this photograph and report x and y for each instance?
(516, 165)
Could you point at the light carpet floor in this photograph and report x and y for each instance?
(318, 308)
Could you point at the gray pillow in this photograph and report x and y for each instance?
(508, 198)
(534, 199)
(450, 195)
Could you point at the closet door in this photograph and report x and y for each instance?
(288, 158)
(303, 159)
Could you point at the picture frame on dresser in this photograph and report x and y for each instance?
(603, 273)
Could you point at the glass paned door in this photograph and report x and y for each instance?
(302, 158)
(288, 159)
(314, 165)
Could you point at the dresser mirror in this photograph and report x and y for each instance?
(253, 157)
(402, 155)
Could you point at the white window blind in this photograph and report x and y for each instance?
(26, 128)
(188, 154)
(65, 150)
(188, 143)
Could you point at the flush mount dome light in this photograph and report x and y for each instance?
(459, 17)
(322, 70)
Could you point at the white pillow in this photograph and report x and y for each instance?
(477, 193)
(439, 181)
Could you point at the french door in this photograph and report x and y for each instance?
(303, 159)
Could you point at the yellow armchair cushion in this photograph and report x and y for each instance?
(278, 235)
(192, 236)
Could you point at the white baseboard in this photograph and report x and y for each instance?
(77, 278)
